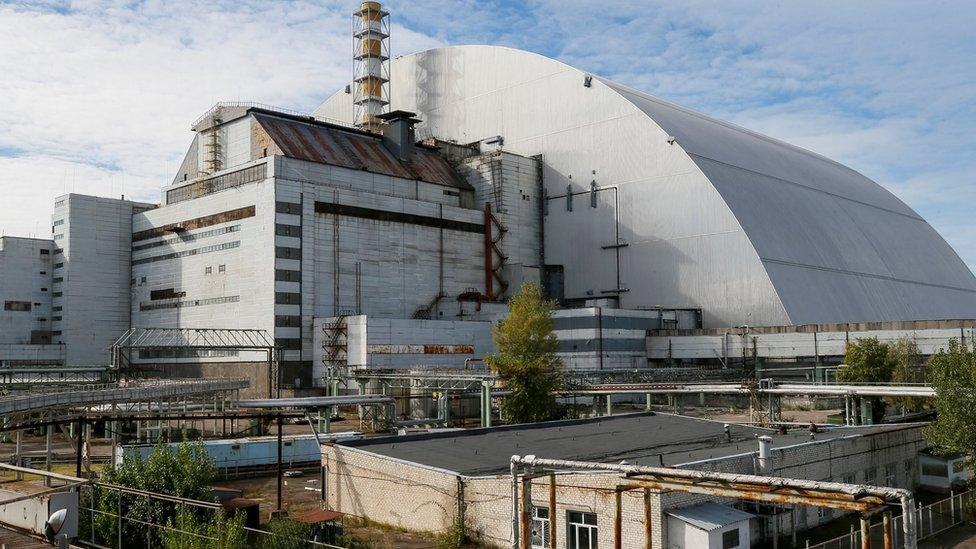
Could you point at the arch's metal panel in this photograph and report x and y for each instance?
(752, 230)
(838, 247)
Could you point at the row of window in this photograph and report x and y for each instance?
(581, 529)
(187, 253)
(220, 269)
(189, 303)
(187, 238)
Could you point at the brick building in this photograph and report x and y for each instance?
(422, 482)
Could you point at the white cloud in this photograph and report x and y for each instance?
(106, 91)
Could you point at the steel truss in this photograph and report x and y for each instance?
(182, 341)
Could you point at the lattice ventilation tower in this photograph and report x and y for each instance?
(371, 77)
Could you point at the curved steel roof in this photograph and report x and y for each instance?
(834, 243)
(753, 230)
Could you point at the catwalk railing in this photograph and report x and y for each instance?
(930, 520)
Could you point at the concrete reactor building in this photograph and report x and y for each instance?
(388, 229)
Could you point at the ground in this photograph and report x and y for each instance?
(963, 537)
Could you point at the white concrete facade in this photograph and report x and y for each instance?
(91, 274)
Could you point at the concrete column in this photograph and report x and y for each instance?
(48, 433)
(647, 402)
(866, 415)
(609, 405)
(19, 435)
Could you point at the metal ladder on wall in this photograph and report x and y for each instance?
(336, 351)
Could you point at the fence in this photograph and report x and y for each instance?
(117, 517)
(930, 520)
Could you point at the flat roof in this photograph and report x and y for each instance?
(647, 438)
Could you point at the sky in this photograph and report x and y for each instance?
(97, 97)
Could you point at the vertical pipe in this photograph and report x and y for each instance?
(617, 520)
(47, 452)
(79, 443)
(647, 518)
(19, 435)
(279, 463)
(552, 510)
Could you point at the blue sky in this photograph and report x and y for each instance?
(97, 97)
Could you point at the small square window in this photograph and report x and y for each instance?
(142, 280)
(730, 539)
(208, 270)
(222, 268)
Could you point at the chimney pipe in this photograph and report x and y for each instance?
(765, 444)
(371, 88)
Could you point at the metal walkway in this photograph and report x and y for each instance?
(92, 395)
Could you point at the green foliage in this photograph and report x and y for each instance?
(908, 368)
(190, 530)
(526, 357)
(184, 473)
(867, 360)
(952, 373)
(287, 534)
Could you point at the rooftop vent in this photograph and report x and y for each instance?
(398, 132)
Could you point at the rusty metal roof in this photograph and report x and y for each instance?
(330, 144)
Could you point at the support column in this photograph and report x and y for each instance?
(647, 402)
(886, 528)
(48, 433)
(19, 435)
(552, 510)
(280, 475)
(526, 515)
(609, 405)
(647, 518)
(866, 415)
(865, 532)
(618, 520)
(78, 445)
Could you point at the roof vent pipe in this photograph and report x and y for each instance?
(399, 135)
(765, 444)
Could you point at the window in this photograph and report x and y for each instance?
(43, 272)
(57, 294)
(58, 265)
(288, 276)
(222, 268)
(891, 475)
(16, 305)
(850, 478)
(58, 222)
(581, 531)
(55, 319)
(288, 230)
(208, 270)
(58, 236)
(45, 252)
(142, 280)
(871, 476)
(284, 252)
(57, 279)
(287, 298)
(730, 539)
(935, 469)
(540, 528)
(43, 289)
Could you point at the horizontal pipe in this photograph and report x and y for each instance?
(904, 497)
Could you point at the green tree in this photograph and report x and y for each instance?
(909, 368)
(867, 360)
(526, 357)
(184, 473)
(952, 373)
(190, 529)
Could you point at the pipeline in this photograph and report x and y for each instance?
(903, 497)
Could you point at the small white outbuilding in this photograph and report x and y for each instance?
(708, 525)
